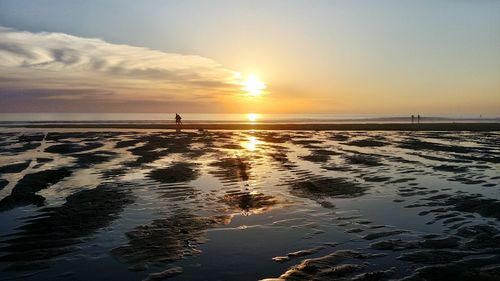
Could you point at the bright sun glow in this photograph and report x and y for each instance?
(252, 117)
(253, 86)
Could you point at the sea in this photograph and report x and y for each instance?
(232, 118)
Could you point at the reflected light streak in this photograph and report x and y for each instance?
(252, 117)
(251, 143)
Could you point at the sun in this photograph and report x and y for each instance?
(253, 86)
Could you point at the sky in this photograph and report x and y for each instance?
(341, 57)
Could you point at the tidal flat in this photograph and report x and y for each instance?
(82, 204)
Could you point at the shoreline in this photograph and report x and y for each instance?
(278, 126)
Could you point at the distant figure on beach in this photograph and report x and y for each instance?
(178, 119)
(412, 118)
(418, 119)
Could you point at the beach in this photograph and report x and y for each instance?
(249, 140)
(301, 201)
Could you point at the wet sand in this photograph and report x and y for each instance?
(249, 205)
(277, 126)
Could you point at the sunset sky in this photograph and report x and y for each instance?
(282, 56)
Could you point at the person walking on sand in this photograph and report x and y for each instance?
(178, 119)
(412, 118)
(418, 119)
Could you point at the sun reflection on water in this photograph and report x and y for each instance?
(253, 117)
(251, 143)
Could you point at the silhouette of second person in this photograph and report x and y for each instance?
(178, 119)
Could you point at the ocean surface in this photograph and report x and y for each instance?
(231, 118)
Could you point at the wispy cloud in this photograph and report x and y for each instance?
(57, 67)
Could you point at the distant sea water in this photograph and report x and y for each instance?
(231, 118)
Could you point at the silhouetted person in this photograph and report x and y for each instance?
(412, 118)
(418, 119)
(178, 119)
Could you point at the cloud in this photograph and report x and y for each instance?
(51, 67)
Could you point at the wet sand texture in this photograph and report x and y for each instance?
(24, 192)
(54, 231)
(223, 205)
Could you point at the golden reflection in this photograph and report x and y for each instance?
(251, 143)
(250, 203)
(252, 117)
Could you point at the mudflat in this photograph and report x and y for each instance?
(300, 204)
